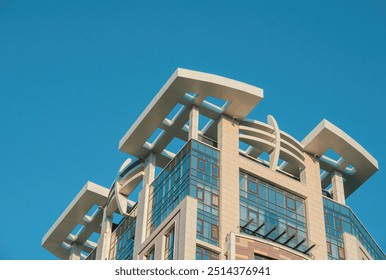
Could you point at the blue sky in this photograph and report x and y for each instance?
(74, 75)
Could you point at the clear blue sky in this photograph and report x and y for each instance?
(74, 75)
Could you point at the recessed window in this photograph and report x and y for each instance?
(205, 254)
(169, 245)
(329, 248)
(261, 257)
(341, 253)
(214, 232)
(215, 200)
(150, 255)
(200, 193)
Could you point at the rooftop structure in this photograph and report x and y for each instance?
(235, 188)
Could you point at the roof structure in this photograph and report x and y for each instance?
(184, 89)
(59, 238)
(356, 164)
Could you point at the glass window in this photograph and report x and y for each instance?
(201, 164)
(276, 208)
(252, 215)
(262, 191)
(341, 253)
(200, 226)
(150, 255)
(205, 254)
(329, 248)
(252, 187)
(280, 199)
(271, 196)
(214, 232)
(215, 199)
(300, 207)
(208, 198)
(261, 257)
(200, 194)
(215, 170)
(169, 245)
(338, 223)
(334, 251)
(243, 184)
(243, 213)
(291, 203)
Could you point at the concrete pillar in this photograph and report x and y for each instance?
(143, 201)
(229, 208)
(187, 229)
(103, 248)
(232, 246)
(193, 123)
(338, 187)
(75, 252)
(350, 247)
(314, 207)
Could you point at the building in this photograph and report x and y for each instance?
(237, 188)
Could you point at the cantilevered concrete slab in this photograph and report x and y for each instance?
(241, 97)
(327, 136)
(59, 237)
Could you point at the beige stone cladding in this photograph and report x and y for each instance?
(247, 247)
(314, 207)
(229, 209)
(184, 219)
(308, 188)
(353, 248)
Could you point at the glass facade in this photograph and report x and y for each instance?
(122, 240)
(195, 172)
(205, 254)
(169, 189)
(204, 186)
(267, 211)
(340, 218)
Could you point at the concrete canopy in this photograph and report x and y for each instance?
(327, 136)
(60, 232)
(241, 99)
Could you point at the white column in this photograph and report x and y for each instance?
(229, 209)
(143, 201)
(104, 241)
(274, 155)
(231, 246)
(75, 252)
(193, 123)
(338, 187)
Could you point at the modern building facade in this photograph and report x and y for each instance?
(235, 188)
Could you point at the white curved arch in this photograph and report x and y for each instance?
(274, 156)
(257, 143)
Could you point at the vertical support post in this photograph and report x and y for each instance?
(103, 247)
(193, 123)
(75, 252)
(314, 206)
(231, 246)
(229, 208)
(143, 201)
(338, 187)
